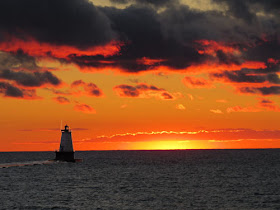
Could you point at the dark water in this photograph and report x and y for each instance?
(192, 179)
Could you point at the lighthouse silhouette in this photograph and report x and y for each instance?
(66, 152)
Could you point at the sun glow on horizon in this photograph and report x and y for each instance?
(163, 145)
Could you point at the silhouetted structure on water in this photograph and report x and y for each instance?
(66, 152)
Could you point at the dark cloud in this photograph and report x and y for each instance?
(166, 36)
(239, 8)
(142, 91)
(268, 5)
(157, 2)
(253, 81)
(127, 91)
(17, 60)
(228, 58)
(145, 87)
(247, 76)
(266, 101)
(273, 78)
(170, 35)
(185, 25)
(76, 23)
(30, 79)
(147, 2)
(271, 90)
(141, 29)
(264, 49)
(247, 9)
(9, 90)
(120, 1)
(238, 76)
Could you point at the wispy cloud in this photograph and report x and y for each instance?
(180, 107)
(84, 108)
(216, 111)
(219, 134)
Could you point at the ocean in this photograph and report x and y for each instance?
(179, 179)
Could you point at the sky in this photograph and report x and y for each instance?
(140, 74)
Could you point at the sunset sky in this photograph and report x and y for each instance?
(140, 74)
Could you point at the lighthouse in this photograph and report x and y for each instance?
(66, 152)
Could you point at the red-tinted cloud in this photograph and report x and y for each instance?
(264, 105)
(37, 49)
(242, 109)
(61, 100)
(103, 38)
(166, 96)
(193, 82)
(149, 61)
(260, 81)
(84, 108)
(175, 38)
(90, 89)
(273, 61)
(143, 90)
(211, 47)
(212, 66)
(269, 105)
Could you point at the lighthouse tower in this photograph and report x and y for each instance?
(66, 152)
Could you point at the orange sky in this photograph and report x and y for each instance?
(33, 125)
(117, 94)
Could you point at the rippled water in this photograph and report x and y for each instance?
(190, 179)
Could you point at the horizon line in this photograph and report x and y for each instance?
(153, 150)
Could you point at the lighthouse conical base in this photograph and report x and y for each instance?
(65, 156)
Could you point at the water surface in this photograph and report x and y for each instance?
(186, 179)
